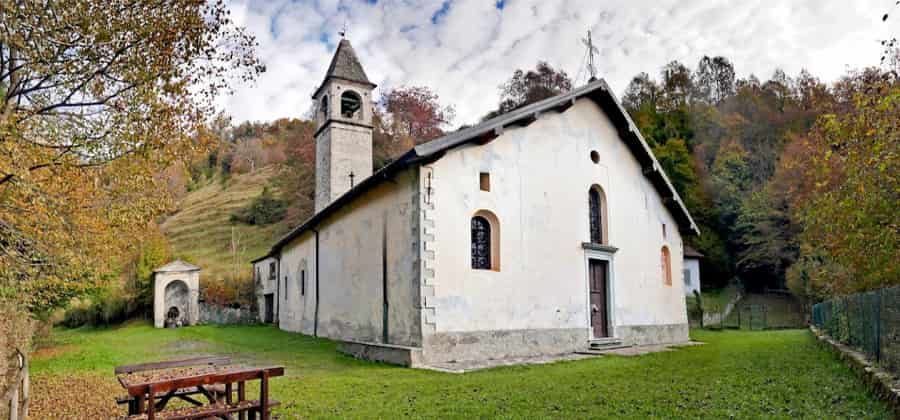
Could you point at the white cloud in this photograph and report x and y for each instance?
(474, 46)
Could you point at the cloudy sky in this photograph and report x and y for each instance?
(464, 49)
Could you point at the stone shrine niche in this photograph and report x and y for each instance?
(176, 293)
(176, 303)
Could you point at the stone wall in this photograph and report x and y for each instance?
(223, 315)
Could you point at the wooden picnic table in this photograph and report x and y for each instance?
(151, 386)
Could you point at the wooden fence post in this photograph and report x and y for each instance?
(18, 392)
(878, 326)
(14, 403)
(26, 385)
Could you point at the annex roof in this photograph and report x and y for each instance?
(692, 253)
(176, 266)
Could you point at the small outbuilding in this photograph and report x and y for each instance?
(176, 293)
(691, 270)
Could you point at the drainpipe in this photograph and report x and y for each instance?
(278, 289)
(316, 313)
(384, 283)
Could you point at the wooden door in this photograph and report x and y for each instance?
(270, 308)
(599, 298)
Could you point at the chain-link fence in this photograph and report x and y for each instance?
(868, 321)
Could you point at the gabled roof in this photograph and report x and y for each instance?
(692, 253)
(177, 266)
(597, 91)
(345, 65)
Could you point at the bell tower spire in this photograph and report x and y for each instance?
(343, 126)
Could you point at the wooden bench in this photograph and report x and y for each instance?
(252, 407)
(183, 394)
(156, 391)
(193, 361)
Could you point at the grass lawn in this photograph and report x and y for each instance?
(782, 374)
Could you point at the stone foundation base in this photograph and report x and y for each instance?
(641, 335)
(483, 345)
(385, 353)
(464, 346)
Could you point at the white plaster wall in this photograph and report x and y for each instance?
(540, 176)
(693, 265)
(267, 283)
(350, 269)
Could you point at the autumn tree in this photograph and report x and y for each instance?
(96, 98)
(848, 192)
(714, 79)
(641, 92)
(677, 85)
(527, 87)
(415, 112)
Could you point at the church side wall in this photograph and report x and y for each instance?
(537, 302)
(351, 263)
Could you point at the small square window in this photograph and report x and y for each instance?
(484, 180)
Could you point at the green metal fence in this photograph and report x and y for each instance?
(868, 321)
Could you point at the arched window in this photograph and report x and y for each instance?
(323, 107)
(351, 105)
(485, 241)
(666, 262)
(597, 222)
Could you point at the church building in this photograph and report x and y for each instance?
(548, 230)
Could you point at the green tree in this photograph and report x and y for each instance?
(677, 162)
(766, 243)
(152, 253)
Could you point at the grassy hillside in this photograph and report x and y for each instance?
(201, 230)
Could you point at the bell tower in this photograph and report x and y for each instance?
(343, 126)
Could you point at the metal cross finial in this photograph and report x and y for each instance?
(589, 43)
(351, 179)
(343, 31)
